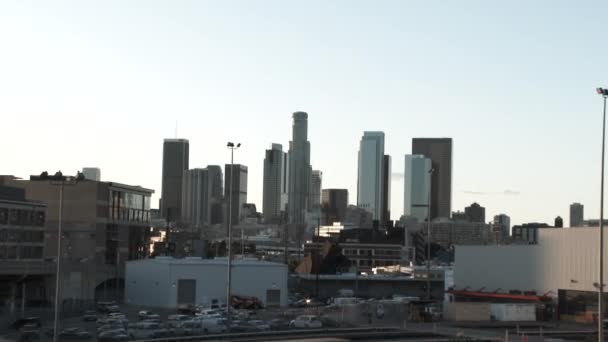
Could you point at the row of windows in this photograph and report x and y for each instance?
(22, 217)
(133, 215)
(21, 252)
(375, 263)
(369, 252)
(16, 235)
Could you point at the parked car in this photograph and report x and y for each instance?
(306, 321)
(175, 321)
(89, 316)
(20, 322)
(259, 325)
(115, 335)
(111, 326)
(74, 334)
(278, 324)
(27, 333)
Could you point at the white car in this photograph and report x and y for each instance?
(306, 321)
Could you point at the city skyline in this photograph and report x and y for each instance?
(81, 81)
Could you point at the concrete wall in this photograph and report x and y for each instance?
(154, 282)
(563, 259)
(466, 311)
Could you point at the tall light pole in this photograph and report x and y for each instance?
(60, 180)
(600, 299)
(428, 237)
(232, 147)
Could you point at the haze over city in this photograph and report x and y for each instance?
(102, 84)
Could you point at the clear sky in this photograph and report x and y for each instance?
(101, 83)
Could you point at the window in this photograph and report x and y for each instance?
(13, 216)
(3, 215)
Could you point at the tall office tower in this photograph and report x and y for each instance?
(314, 201)
(370, 180)
(239, 190)
(333, 205)
(475, 213)
(299, 169)
(504, 223)
(576, 215)
(175, 162)
(276, 174)
(201, 192)
(92, 173)
(216, 194)
(439, 150)
(416, 179)
(386, 190)
(195, 197)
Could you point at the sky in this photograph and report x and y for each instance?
(102, 83)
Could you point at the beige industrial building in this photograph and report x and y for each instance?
(561, 268)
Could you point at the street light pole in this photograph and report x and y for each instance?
(600, 300)
(232, 147)
(428, 238)
(56, 321)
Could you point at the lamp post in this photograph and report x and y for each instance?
(232, 147)
(428, 237)
(58, 179)
(600, 303)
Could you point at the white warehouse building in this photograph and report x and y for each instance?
(563, 265)
(167, 282)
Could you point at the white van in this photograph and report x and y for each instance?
(204, 326)
(143, 330)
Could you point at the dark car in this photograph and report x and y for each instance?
(74, 334)
(112, 336)
(278, 324)
(89, 316)
(19, 323)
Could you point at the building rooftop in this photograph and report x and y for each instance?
(199, 261)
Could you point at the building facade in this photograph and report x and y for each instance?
(475, 213)
(315, 190)
(276, 182)
(201, 192)
(92, 173)
(300, 170)
(333, 205)
(24, 273)
(103, 225)
(370, 180)
(176, 156)
(238, 188)
(503, 222)
(386, 190)
(417, 180)
(439, 150)
(577, 215)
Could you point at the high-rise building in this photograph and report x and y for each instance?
(276, 176)
(559, 222)
(386, 190)
(417, 180)
(439, 150)
(239, 190)
(201, 191)
(176, 154)
(475, 213)
(299, 169)
(370, 180)
(315, 189)
(92, 173)
(333, 205)
(503, 222)
(576, 215)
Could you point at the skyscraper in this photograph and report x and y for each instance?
(504, 224)
(439, 150)
(386, 190)
(417, 180)
(314, 200)
(175, 162)
(299, 169)
(475, 213)
(276, 173)
(576, 215)
(333, 205)
(370, 180)
(239, 190)
(201, 191)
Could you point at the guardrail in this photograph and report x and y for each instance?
(283, 334)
